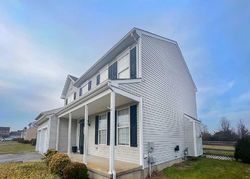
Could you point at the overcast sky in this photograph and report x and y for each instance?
(43, 41)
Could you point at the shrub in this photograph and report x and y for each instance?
(49, 154)
(58, 162)
(33, 142)
(20, 140)
(75, 170)
(26, 142)
(242, 149)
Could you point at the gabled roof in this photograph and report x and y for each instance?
(66, 85)
(73, 77)
(46, 113)
(130, 38)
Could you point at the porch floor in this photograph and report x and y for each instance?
(101, 165)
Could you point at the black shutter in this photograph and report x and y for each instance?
(74, 95)
(80, 92)
(133, 63)
(96, 129)
(98, 79)
(108, 129)
(112, 72)
(115, 126)
(133, 126)
(89, 85)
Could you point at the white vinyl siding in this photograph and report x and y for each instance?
(168, 92)
(123, 67)
(123, 127)
(102, 130)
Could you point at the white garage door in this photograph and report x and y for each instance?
(42, 147)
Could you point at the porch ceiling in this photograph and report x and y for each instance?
(99, 105)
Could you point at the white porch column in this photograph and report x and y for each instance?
(57, 133)
(86, 132)
(69, 133)
(112, 135)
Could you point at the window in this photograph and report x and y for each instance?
(74, 95)
(66, 101)
(102, 129)
(104, 75)
(123, 127)
(89, 85)
(70, 98)
(123, 67)
(80, 92)
(98, 79)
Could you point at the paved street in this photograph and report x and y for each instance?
(28, 156)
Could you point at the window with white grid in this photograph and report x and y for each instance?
(123, 67)
(102, 129)
(123, 127)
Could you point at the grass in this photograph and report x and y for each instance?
(28, 170)
(204, 168)
(12, 147)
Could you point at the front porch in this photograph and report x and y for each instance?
(92, 125)
(100, 165)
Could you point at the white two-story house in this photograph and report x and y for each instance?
(133, 110)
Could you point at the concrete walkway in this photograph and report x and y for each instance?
(28, 156)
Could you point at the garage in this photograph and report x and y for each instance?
(42, 145)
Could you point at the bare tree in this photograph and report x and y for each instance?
(242, 129)
(225, 124)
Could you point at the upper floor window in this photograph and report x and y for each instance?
(66, 101)
(89, 85)
(98, 79)
(123, 67)
(102, 130)
(123, 127)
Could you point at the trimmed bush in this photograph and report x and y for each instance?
(58, 162)
(242, 149)
(75, 170)
(33, 142)
(48, 155)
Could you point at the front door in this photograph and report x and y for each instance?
(81, 138)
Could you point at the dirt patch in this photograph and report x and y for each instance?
(157, 175)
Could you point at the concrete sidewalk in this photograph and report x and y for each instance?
(28, 156)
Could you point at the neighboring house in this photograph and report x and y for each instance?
(46, 124)
(30, 132)
(138, 104)
(16, 134)
(4, 132)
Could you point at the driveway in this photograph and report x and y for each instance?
(28, 156)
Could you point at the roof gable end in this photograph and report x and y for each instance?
(67, 84)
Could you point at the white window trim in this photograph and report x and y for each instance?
(127, 50)
(117, 133)
(102, 129)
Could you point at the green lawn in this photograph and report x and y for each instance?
(29, 170)
(203, 168)
(10, 147)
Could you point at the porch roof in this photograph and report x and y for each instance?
(98, 100)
